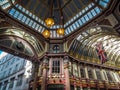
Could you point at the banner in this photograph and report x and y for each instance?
(101, 52)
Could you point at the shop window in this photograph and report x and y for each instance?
(71, 87)
(109, 76)
(82, 72)
(90, 74)
(55, 66)
(98, 75)
(55, 87)
(78, 88)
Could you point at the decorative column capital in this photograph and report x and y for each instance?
(66, 59)
(45, 62)
(66, 62)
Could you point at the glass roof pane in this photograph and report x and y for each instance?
(90, 15)
(6, 5)
(74, 26)
(27, 21)
(93, 12)
(20, 16)
(106, 0)
(16, 14)
(12, 11)
(97, 10)
(86, 17)
(37, 26)
(23, 19)
(31, 22)
(84, 14)
(79, 21)
(77, 24)
(71, 28)
(83, 20)
(102, 3)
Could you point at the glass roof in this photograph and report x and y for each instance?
(78, 20)
(26, 36)
(84, 47)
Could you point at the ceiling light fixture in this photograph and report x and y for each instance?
(50, 22)
(46, 33)
(60, 31)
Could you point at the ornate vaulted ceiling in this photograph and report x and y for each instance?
(85, 21)
(75, 13)
(21, 43)
(84, 46)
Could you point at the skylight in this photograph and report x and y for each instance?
(110, 41)
(26, 17)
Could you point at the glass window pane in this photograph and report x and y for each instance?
(89, 15)
(93, 12)
(79, 21)
(86, 17)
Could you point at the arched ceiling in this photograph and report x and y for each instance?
(76, 13)
(84, 46)
(20, 43)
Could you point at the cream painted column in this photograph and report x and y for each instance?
(79, 71)
(44, 75)
(102, 74)
(80, 76)
(86, 72)
(112, 76)
(66, 71)
(117, 76)
(75, 88)
(106, 75)
(94, 72)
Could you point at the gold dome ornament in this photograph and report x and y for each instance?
(49, 22)
(60, 31)
(46, 33)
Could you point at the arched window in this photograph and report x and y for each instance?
(56, 49)
(82, 72)
(109, 76)
(98, 74)
(90, 73)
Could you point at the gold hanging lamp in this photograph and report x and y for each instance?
(46, 33)
(60, 31)
(49, 22)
